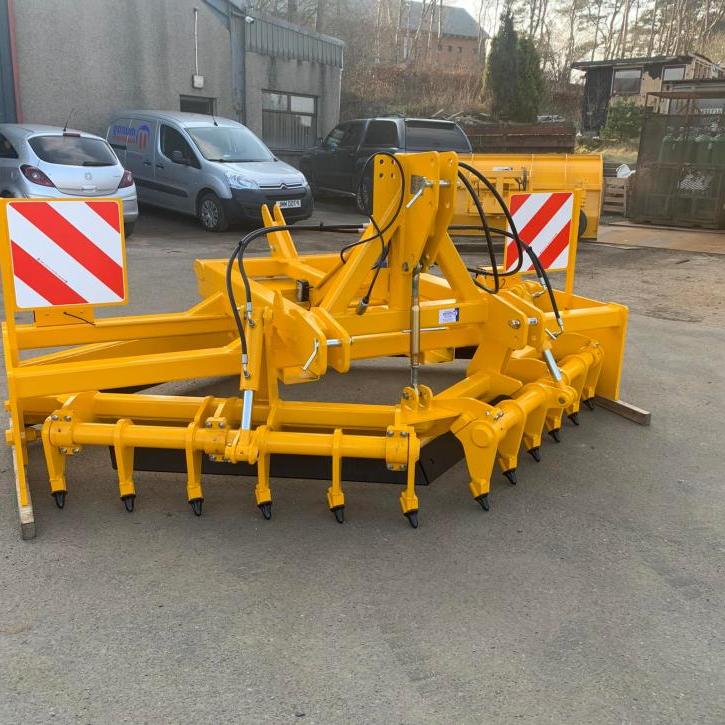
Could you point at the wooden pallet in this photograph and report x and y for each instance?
(615, 196)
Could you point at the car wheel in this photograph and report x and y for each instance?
(211, 213)
(128, 229)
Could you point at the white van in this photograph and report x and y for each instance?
(213, 168)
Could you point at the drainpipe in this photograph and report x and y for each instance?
(14, 61)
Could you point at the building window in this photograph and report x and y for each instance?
(450, 48)
(197, 104)
(460, 50)
(673, 73)
(627, 81)
(289, 121)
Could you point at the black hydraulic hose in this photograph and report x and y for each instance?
(489, 240)
(378, 232)
(238, 254)
(520, 244)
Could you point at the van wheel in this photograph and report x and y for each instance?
(128, 229)
(211, 213)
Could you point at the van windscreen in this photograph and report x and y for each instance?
(228, 143)
(435, 136)
(73, 150)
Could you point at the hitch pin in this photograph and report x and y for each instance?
(423, 183)
(310, 359)
(551, 364)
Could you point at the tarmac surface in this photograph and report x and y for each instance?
(592, 592)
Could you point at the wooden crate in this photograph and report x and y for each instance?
(615, 196)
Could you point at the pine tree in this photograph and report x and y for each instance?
(503, 69)
(529, 82)
(514, 80)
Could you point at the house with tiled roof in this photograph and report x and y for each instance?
(446, 36)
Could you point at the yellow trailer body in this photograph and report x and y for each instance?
(534, 173)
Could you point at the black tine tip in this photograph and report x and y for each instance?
(511, 476)
(196, 506)
(589, 403)
(59, 497)
(574, 418)
(266, 509)
(339, 514)
(483, 500)
(412, 517)
(554, 433)
(535, 453)
(128, 502)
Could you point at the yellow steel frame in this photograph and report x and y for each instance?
(508, 396)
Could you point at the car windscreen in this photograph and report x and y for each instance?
(228, 143)
(73, 151)
(435, 136)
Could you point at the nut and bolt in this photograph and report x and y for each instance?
(207, 424)
(54, 417)
(403, 433)
(515, 324)
(67, 419)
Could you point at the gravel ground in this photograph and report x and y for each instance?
(592, 592)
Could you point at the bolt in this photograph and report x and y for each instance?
(76, 450)
(498, 415)
(389, 433)
(403, 433)
(207, 424)
(212, 457)
(221, 423)
(64, 450)
(54, 417)
(405, 267)
(67, 419)
(488, 412)
(515, 324)
(562, 401)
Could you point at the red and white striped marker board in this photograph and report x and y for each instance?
(544, 221)
(66, 252)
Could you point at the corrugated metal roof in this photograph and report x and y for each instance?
(620, 62)
(454, 21)
(272, 36)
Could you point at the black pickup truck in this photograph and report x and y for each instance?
(336, 164)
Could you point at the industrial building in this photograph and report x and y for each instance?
(207, 56)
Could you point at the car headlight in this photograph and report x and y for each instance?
(240, 182)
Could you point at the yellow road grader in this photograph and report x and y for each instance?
(535, 355)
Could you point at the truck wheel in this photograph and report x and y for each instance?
(583, 221)
(363, 197)
(211, 213)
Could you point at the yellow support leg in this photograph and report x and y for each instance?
(124, 464)
(335, 496)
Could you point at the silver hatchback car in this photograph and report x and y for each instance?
(38, 162)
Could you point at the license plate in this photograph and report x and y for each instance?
(290, 203)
